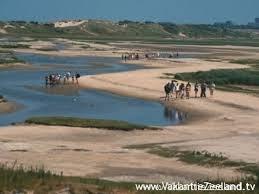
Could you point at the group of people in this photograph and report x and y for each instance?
(56, 79)
(136, 56)
(130, 56)
(184, 90)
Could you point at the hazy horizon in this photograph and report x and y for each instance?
(180, 12)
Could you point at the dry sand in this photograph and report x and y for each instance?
(226, 123)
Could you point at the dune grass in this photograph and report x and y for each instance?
(86, 123)
(202, 158)
(18, 179)
(13, 59)
(14, 46)
(245, 61)
(223, 76)
(7, 57)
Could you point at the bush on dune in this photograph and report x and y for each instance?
(223, 76)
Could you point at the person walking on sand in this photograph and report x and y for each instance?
(68, 74)
(203, 90)
(64, 79)
(177, 90)
(167, 89)
(172, 87)
(188, 90)
(182, 90)
(196, 89)
(212, 87)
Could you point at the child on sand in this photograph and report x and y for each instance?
(212, 87)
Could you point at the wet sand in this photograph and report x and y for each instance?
(8, 107)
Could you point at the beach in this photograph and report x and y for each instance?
(226, 123)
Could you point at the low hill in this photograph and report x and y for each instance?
(125, 29)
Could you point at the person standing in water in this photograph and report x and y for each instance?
(77, 77)
(46, 81)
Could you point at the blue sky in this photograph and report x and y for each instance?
(178, 11)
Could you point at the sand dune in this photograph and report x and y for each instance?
(70, 23)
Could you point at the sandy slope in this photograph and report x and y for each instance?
(226, 123)
(7, 107)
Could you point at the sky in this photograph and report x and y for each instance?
(177, 11)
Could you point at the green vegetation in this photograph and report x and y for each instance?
(150, 32)
(47, 49)
(7, 57)
(202, 158)
(18, 179)
(12, 59)
(252, 62)
(245, 61)
(92, 123)
(14, 46)
(223, 76)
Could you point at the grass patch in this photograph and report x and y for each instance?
(14, 46)
(13, 59)
(223, 76)
(202, 158)
(18, 179)
(7, 57)
(245, 61)
(47, 49)
(92, 123)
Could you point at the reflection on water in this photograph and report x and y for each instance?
(172, 114)
(65, 90)
(27, 87)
